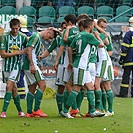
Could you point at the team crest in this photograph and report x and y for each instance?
(14, 49)
(2, 45)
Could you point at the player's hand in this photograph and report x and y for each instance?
(40, 57)
(68, 27)
(32, 69)
(96, 34)
(69, 67)
(56, 65)
(21, 51)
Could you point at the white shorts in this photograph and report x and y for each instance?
(66, 75)
(81, 77)
(101, 67)
(92, 70)
(109, 72)
(59, 76)
(33, 78)
(14, 76)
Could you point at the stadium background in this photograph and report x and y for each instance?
(116, 27)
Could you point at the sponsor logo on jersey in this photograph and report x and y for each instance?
(14, 48)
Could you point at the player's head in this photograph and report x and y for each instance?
(63, 25)
(48, 34)
(70, 19)
(87, 24)
(131, 21)
(102, 23)
(81, 17)
(15, 26)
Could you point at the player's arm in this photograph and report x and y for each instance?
(70, 52)
(46, 53)
(60, 51)
(96, 34)
(29, 54)
(67, 33)
(106, 41)
(56, 30)
(4, 54)
(100, 29)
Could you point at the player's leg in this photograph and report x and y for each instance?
(16, 99)
(30, 79)
(100, 73)
(110, 97)
(91, 97)
(7, 98)
(104, 97)
(9, 79)
(77, 83)
(60, 90)
(107, 86)
(39, 93)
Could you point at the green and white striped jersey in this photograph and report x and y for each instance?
(12, 44)
(35, 42)
(83, 43)
(54, 44)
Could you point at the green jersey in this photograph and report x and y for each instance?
(54, 44)
(12, 44)
(83, 43)
(110, 45)
(93, 57)
(35, 41)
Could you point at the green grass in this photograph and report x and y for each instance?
(121, 122)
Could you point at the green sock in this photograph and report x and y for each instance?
(7, 99)
(110, 97)
(74, 105)
(38, 98)
(104, 99)
(98, 100)
(71, 98)
(82, 97)
(91, 101)
(78, 100)
(17, 103)
(60, 101)
(65, 97)
(29, 99)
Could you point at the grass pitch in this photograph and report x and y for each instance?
(121, 122)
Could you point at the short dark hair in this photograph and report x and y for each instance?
(63, 23)
(14, 21)
(71, 18)
(101, 20)
(85, 23)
